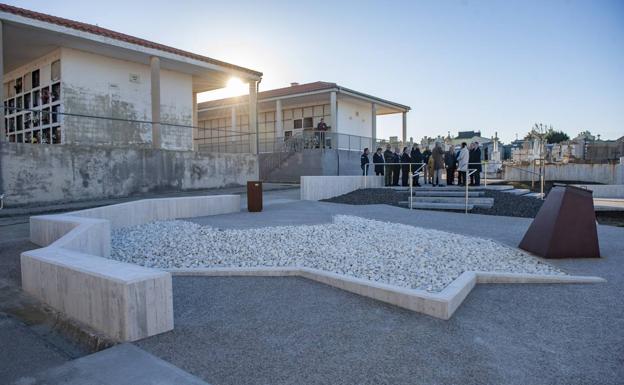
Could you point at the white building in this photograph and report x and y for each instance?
(295, 112)
(66, 82)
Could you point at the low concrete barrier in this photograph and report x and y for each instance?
(604, 190)
(73, 274)
(315, 188)
(573, 172)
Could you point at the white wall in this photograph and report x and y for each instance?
(354, 117)
(101, 86)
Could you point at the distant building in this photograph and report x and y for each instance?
(603, 151)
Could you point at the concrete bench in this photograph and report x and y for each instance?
(72, 272)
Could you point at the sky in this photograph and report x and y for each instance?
(494, 66)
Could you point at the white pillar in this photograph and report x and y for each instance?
(333, 107)
(373, 125)
(155, 90)
(2, 128)
(233, 125)
(253, 117)
(404, 126)
(279, 121)
(194, 122)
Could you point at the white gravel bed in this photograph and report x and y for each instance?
(391, 253)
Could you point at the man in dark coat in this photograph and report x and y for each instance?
(417, 160)
(396, 169)
(377, 159)
(405, 167)
(388, 157)
(364, 161)
(451, 165)
(474, 159)
(425, 157)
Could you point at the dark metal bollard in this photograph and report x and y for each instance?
(565, 226)
(254, 196)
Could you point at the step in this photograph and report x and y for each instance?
(533, 195)
(485, 203)
(518, 191)
(498, 187)
(437, 206)
(433, 193)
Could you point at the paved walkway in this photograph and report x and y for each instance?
(290, 330)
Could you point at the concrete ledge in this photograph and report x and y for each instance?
(315, 188)
(604, 190)
(73, 274)
(439, 305)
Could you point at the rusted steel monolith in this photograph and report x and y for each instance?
(565, 226)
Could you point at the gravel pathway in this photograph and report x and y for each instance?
(384, 252)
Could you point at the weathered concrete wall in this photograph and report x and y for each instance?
(316, 188)
(96, 85)
(314, 163)
(31, 174)
(597, 173)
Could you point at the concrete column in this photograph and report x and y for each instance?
(253, 117)
(2, 128)
(279, 121)
(404, 126)
(195, 121)
(233, 129)
(333, 107)
(155, 91)
(373, 125)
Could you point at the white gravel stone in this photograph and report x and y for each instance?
(391, 253)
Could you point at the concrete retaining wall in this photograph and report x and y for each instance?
(34, 174)
(605, 190)
(597, 173)
(72, 274)
(313, 163)
(314, 188)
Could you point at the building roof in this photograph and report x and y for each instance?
(467, 134)
(94, 29)
(294, 90)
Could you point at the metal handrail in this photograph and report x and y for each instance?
(388, 164)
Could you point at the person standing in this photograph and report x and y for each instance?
(378, 159)
(396, 168)
(405, 167)
(425, 158)
(462, 167)
(388, 156)
(451, 165)
(474, 159)
(438, 164)
(321, 128)
(364, 161)
(417, 159)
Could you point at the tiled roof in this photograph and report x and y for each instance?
(94, 29)
(292, 90)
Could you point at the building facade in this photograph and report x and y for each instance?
(66, 82)
(295, 112)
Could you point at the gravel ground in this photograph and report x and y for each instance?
(391, 253)
(504, 204)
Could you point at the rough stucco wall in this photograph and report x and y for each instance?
(354, 118)
(39, 173)
(96, 85)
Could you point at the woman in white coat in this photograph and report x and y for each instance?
(462, 160)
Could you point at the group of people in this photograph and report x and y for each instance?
(395, 165)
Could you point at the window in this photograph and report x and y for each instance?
(308, 123)
(298, 123)
(35, 78)
(287, 134)
(56, 70)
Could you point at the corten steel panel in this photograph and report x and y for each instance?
(254, 196)
(565, 226)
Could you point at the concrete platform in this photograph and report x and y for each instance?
(517, 191)
(120, 365)
(437, 206)
(434, 193)
(480, 202)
